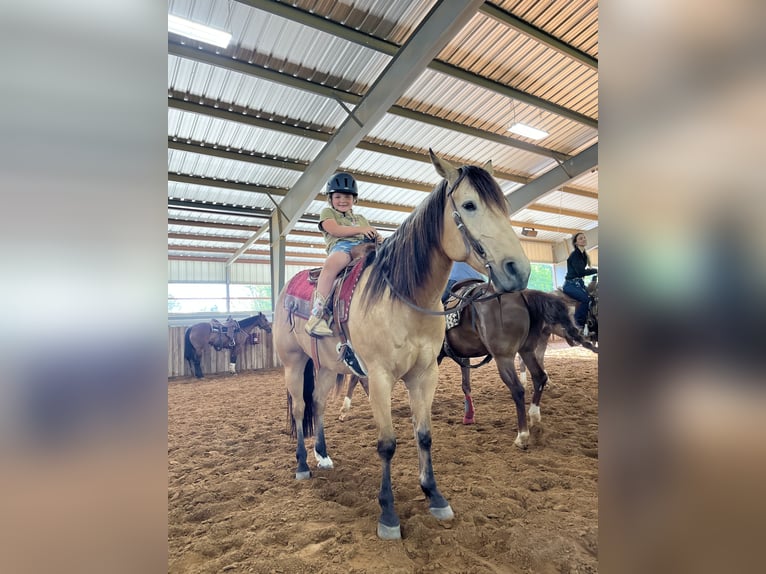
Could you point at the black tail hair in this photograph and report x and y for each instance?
(308, 401)
(547, 311)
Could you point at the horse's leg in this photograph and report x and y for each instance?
(465, 375)
(324, 384)
(533, 360)
(380, 403)
(233, 360)
(198, 364)
(522, 371)
(507, 369)
(352, 381)
(421, 389)
(299, 379)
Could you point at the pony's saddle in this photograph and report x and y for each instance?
(461, 294)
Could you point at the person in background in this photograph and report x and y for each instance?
(578, 266)
(460, 270)
(342, 230)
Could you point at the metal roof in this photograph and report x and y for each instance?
(246, 122)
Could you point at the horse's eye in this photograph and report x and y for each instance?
(469, 206)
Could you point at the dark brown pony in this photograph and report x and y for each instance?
(200, 335)
(243, 334)
(499, 326)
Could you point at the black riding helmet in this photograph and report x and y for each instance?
(342, 182)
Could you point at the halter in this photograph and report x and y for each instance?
(468, 239)
(470, 243)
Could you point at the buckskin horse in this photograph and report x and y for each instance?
(500, 325)
(395, 322)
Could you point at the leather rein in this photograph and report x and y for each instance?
(471, 243)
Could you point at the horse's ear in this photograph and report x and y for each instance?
(488, 167)
(444, 168)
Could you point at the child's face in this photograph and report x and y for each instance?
(343, 202)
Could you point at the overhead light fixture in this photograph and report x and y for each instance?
(197, 31)
(528, 131)
(528, 232)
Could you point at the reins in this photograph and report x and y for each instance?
(471, 243)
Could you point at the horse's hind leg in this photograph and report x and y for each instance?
(465, 376)
(352, 381)
(299, 379)
(198, 366)
(534, 363)
(507, 370)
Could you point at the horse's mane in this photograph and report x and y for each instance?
(248, 322)
(404, 258)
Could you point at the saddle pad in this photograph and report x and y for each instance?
(300, 292)
(453, 320)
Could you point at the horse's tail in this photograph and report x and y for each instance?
(189, 352)
(308, 402)
(553, 312)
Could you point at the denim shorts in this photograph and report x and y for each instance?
(344, 245)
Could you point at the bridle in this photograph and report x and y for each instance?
(471, 243)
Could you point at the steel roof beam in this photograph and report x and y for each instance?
(240, 66)
(540, 35)
(380, 45)
(567, 171)
(443, 21)
(225, 152)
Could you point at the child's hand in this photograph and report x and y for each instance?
(369, 233)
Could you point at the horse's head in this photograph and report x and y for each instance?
(481, 233)
(263, 322)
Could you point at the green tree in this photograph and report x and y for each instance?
(541, 277)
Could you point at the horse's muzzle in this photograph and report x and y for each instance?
(512, 276)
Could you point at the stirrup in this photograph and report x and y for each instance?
(351, 360)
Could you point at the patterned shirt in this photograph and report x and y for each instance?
(347, 219)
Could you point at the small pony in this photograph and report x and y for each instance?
(500, 326)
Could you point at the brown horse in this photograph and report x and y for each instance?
(590, 334)
(200, 335)
(498, 326)
(396, 323)
(243, 334)
(353, 381)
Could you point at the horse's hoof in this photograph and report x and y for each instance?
(389, 532)
(325, 463)
(303, 475)
(468, 421)
(522, 441)
(443, 513)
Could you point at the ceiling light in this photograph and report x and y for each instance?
(528, 131)
(528, 232)
(197, 31)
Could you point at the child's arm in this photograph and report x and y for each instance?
(337, 230)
